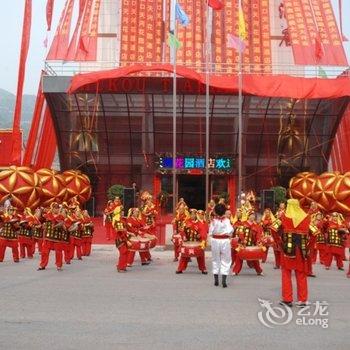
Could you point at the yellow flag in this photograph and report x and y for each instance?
(242, 33)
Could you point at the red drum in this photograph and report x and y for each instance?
(176, 239)
(139, 244)
(152, 239)
(191, 249)
(252, 253)
(234, 242)
(268, 241)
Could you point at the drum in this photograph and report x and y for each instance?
(139, 244)
(234, 242)
(176, 239)
(252, 253)
(152, 239)
(191, 249)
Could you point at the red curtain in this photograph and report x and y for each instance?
(49, 12)
(17, 140)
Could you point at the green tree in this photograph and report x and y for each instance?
(115, 191)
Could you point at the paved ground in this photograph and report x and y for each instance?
(90, 306)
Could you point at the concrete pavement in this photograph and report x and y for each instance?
(90, 306)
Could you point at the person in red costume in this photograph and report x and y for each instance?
(335, 233)
(108, 216)
(321, 246)
(74, 224)
(250, 234)
(266, 221)
(236, 222)
(178, 229)
(193, 232)
(25, 235)
(37, 231)
(149, 214)
(55, 237)
(87, 234)
(135, 226)
(121, 240)
(281, 210)
(294, 227)
(8, 233)
(316, 220)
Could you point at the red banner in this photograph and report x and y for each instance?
(17, 140)
(257, 54)
(49, 13)
(141, 31)
(59, 46)
(308, 21)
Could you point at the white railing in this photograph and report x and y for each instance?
(63, 68)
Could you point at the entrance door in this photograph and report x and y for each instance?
(192, 189)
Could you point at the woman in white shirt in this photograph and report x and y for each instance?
(220, 231)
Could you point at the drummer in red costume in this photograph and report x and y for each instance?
(266, 221)
(294, 226)
(121, 240)
(236, 222)
(149, 214)
(25, 236)
(74, 224)
(250, 234)
(37, 230)
(178, 228)
(55, 237)
(87, 234)
(8, 233)
(108, 216)
(135, 226)
(281, 210)
(193, 232)
(316, 221)
(335, 231)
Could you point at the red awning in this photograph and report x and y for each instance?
(253, 84)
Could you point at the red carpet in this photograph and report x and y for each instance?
(100, 233)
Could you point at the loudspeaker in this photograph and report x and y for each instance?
(129, 199)
(268, 200)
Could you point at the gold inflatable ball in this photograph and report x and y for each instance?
(323, 190)
(300, 187)
(342, 194)
(23, 184)
(77, 185)
(53, 186)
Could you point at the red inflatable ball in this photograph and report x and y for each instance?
(53, 186)
(342, 194)
(78, 185)
(23, 184)
(300, 187)
(323, 190)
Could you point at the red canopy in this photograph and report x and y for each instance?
(253, 84)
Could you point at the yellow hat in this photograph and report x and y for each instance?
(294, 212)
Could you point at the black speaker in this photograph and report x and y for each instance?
(268, 200)
(129, 199)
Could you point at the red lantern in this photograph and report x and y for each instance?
(53, 186)
(323, 190)
(342, 194)
(78, 185)
(23, 184)
(300, 187)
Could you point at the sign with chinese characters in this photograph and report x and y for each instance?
(189, 163)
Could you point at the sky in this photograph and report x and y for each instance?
(11, 17)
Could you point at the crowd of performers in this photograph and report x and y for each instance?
(296, 237)
(135, 232)
(65, 229)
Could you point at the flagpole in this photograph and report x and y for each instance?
(240, 117)
(207, 131)
(174, 51)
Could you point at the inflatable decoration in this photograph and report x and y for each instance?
(301, 185)
(342, 194)
(53, 186)
(78, 185)
(23, 184)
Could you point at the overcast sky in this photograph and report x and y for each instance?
(11, 17)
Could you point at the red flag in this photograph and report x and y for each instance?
(49, 12)
(319, 52)
(27, 21)
(216, 4)
(82, 46)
